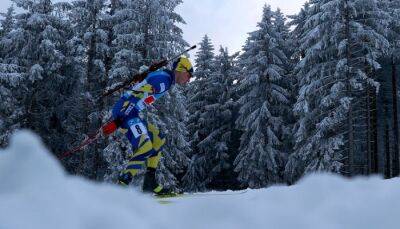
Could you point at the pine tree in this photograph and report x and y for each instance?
(298, 22)
(127, 36)
(174, 163)
(38, 44)
(213, 159)
(394, 39)
(220, 118)
(389, 85)
(89, 23)
(11, 77)
(204, 69)
(7, 22)
(11, 110)
(342, 40)
(261, 102)
(288, 82)
(195, 177)
(281, 27)
(297, 53)
(146, 31)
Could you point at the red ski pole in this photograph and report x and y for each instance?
(89, 140)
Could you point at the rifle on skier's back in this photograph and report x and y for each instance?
(142, 75)
(134, 79)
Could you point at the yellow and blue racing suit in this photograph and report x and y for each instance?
(145, 138)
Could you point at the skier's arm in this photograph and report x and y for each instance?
(151, 89)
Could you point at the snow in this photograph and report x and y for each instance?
(35, 192)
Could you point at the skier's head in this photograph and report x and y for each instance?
(183, 70)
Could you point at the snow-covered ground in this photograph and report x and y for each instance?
(35, 193)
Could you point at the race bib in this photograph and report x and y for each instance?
(137, 127)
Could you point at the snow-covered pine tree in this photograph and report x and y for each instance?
(127, 36)
(389, 90)
(262, 99)
(298, 23)
(161, 36)
(213, 160)
(173, 113)
(196, 174)
(7, 22)
(394, 11)
(38, 45)
(220, 119)
(90, 23)
(204, 68)
(11, 110)
(281, 27)
(288, 82)
(342, 40)
(146, 31)
(125, 63)
(10, 79)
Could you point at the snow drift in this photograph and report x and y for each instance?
(36, 193)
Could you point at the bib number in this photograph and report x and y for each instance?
(137, 128)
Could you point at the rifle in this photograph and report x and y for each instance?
(142, 75)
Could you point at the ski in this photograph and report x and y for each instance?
(171, 198)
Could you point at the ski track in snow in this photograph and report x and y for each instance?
(36, 193)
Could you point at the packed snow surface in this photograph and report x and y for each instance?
(36, 193)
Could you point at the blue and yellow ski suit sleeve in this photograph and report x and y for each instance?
(145, 138)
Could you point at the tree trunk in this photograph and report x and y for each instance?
(109, 58)
(387, 146)
(349, 91)
(395, 163)
(375, 159)
(369, 131)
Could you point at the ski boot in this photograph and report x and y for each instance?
(125, 179)
(150, 184)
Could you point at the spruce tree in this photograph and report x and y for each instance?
(204, 68)
(174, 162)
(90, 23)
(297, 53)
(342, 40)
(11, 77)
(389, 85)
(213, 160)
(7, 22)
(262, 99)
(196, 175)
(12, 110)
(220, 117)
(38, 44)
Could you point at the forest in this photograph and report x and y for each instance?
(311, 92)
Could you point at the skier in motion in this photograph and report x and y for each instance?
(146, 139)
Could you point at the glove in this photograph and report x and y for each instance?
(110, 127)
(149, 100)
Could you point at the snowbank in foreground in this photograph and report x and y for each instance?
(35, 193)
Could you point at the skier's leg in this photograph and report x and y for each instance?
(150, 184)
(143, 148)
(158, 141)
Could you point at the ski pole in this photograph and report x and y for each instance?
(89, 140)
